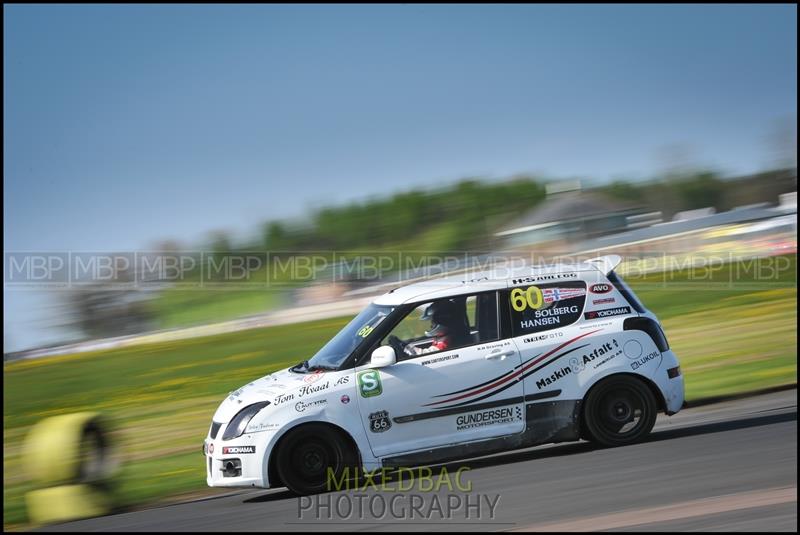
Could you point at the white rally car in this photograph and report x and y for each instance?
(453, 368)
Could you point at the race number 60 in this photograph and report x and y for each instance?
(522, 299)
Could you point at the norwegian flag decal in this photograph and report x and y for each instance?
(559, 294)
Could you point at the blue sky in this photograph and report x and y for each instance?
(127, 124)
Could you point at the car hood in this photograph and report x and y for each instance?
(266, 388)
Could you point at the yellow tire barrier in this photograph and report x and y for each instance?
(65, 503)
(72, 456)
(59, 449)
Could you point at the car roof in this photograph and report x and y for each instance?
(494, 279)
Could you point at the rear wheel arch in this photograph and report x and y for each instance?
(660, 403)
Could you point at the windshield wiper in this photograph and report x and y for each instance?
(319, 367)
(303, 364)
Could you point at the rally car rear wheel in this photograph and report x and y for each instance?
(620, 410)
(312, 458)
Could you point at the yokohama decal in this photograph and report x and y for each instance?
(233, 450)
(606, 312)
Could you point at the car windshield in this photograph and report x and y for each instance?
(334, 353)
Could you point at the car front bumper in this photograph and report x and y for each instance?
(250, 456)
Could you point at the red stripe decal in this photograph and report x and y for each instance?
(515, 374)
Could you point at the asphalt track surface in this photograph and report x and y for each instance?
(728, 466)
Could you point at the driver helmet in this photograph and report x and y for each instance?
(441, 315)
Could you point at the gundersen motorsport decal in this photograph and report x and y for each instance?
(238, 450)
(475, 407)
(603, 301)
(508, 379)
(369, 383)
(488, 417)
(379, 422)
(602, 288)
(606, 312)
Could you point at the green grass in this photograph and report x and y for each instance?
(270, 287)
(176, 307)
(737, 348)
(731, 337)
(680, 292)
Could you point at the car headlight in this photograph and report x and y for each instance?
(238, 423)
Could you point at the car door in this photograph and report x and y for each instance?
(444, 397)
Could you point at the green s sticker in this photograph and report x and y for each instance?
(369, 383)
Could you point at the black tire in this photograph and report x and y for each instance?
(619, 410)
(305, 455)
(585, 434)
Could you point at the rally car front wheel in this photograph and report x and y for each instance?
(314, 458)
(619, 410)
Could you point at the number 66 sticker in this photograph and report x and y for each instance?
(379, 422)
(530, 298)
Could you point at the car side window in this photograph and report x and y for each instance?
(445, 324)
(541, 307)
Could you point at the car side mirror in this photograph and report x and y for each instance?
(382, 357)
